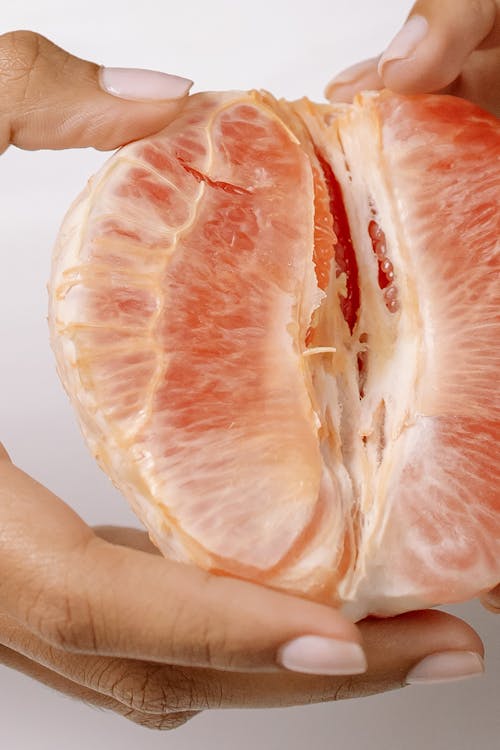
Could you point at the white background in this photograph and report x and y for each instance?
(290, 48)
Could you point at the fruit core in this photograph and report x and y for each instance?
(345, 256)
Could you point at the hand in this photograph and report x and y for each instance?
(492, 600)
(98, 614)
(446, 46)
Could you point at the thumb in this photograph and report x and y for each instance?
(50, 99)
(431, 49)
(4, 456)
(82, 594)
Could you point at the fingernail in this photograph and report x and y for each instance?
(137, 83)
(492, 600)
(352, 74)
(405, 42)
(314, 654)
(446, 667)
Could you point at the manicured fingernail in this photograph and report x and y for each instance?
(137, 83)
(492, 600)
(353, 73)
(446, 666)
(346, 84)
(405, 42)
(313, 654)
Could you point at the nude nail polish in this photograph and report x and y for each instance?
(361, 75)
(446, 666)
(138, 83)
(405, 42)
(313, 654)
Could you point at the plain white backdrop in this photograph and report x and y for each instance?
(290, 48)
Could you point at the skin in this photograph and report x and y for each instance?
(460, 55)
(98, 614)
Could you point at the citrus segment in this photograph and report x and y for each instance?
(278, 324)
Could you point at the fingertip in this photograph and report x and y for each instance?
(418, 75)
(430, 50)
(282, 631)
(418, 63)
(491, 600)
(409, 65)
(361, 76)
(73, 103)
(140, 84)
(340, 93)
(277, 616)
(107, 125)
(414, 636)
(4, 456)
(312, 654)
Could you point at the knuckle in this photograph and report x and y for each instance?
(63, 614)
(19, 52)
(349, 688)
(211, 644)
(149, 689)
(195, 690)
(158, 722)
(196, 636)
(361, 687)
(20, 41)
(4, 456)
(154, 689)
(66, 622)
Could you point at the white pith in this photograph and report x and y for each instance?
(370, 426)
(362, 454)
(357, 475)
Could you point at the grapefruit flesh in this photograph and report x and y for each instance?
(279, 323)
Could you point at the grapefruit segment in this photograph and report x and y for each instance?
(276, 321)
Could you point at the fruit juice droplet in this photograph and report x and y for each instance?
(345, 256)
(380, 249)
(385, 267)
(391, 292)
(374, 231)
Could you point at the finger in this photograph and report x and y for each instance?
(395, 647)
(35, 671)
(431, 49)
(4, 456)
(83, 594)
(491, 600)
(50, 99)
(363, 76)
(127, 537)
(479, 81)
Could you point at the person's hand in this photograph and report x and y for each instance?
(99, 614)
(446, 46)
(492, 600)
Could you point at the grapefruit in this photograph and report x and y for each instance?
(279, 324)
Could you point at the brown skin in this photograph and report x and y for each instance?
(98, 614)
(460, 55)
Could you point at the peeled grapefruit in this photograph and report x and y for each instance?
(279, 325)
